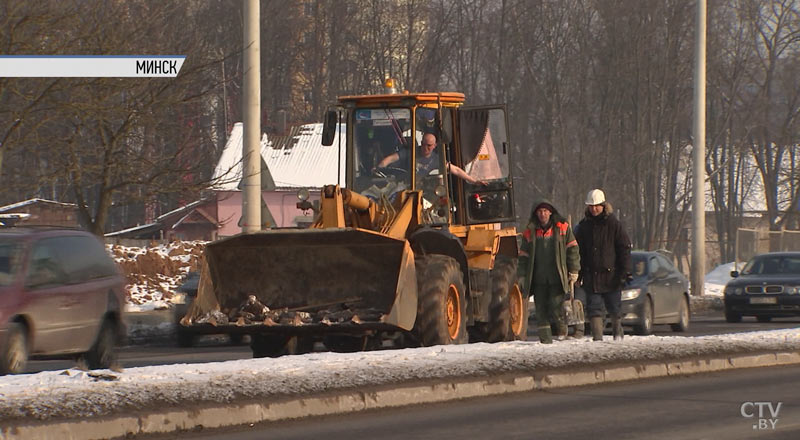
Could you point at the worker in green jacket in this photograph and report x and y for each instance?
(548, 262)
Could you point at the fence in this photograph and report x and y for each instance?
(751, 242)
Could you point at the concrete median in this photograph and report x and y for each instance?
(349, 383)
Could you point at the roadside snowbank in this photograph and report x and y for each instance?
(74, 393)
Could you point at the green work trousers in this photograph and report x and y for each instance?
(549, 301)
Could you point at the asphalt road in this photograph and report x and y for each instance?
(709, 406)
(215, 349)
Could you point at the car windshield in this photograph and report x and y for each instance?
(9, 261)
(773, 265)
(639, 265)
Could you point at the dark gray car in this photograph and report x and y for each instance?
(768, 286)
(659, 294)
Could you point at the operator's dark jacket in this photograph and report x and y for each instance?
(605, 251)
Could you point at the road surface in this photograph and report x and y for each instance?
(706, 406)
(215, 349)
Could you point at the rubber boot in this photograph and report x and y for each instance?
(616, 325)
(545, 335)
(597, 328)
(579, 330)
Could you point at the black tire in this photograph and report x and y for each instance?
(519, 330)
(441, 307)
(184, 339)
(103, 353)
(269, 345)
(763, 318)
(732, 317)
(344, 343)
(645, 325)
(299, 345)
(14, 356)
(683, 317)
(508, 311)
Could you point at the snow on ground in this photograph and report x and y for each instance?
(76, 393)
(716, 279)
(714, 288)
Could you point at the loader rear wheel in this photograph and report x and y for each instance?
(442, 308)
(519, 314)
(508, 318)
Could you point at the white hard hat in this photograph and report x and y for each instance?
(595, 197)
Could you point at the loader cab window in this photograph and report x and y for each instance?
(485, 154)
(381, 151)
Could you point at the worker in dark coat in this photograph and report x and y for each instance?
(548, 262)
(605, 251)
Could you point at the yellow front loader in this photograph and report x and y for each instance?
(401, 255)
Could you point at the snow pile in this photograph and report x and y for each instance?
(715, 282)
(74, 393)
(718, 278)
(154, 273)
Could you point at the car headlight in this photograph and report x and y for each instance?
(734, 290)
(792, 290)
(629, 294)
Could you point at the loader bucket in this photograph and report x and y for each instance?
(315, 271)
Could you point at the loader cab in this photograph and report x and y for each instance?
(396, 126)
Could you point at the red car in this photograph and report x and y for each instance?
(61, 295)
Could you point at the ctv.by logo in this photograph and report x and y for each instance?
(749, 409)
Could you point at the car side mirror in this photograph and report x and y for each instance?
(329, 127)
(661, 273)
(734, 273)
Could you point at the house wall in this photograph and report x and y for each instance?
(281, 203)
(192, 232)
(49, 214)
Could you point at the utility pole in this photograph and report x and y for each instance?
(251, 140)
(699, 156)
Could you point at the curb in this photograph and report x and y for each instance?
(347, 401)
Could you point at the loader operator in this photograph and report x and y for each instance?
(549, 261)
(427, 161)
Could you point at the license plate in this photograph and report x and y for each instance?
(767, 300)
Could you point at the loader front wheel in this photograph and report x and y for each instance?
(508, 310)
(269, 345)
(441, 308)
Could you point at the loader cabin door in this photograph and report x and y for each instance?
(484, 155)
